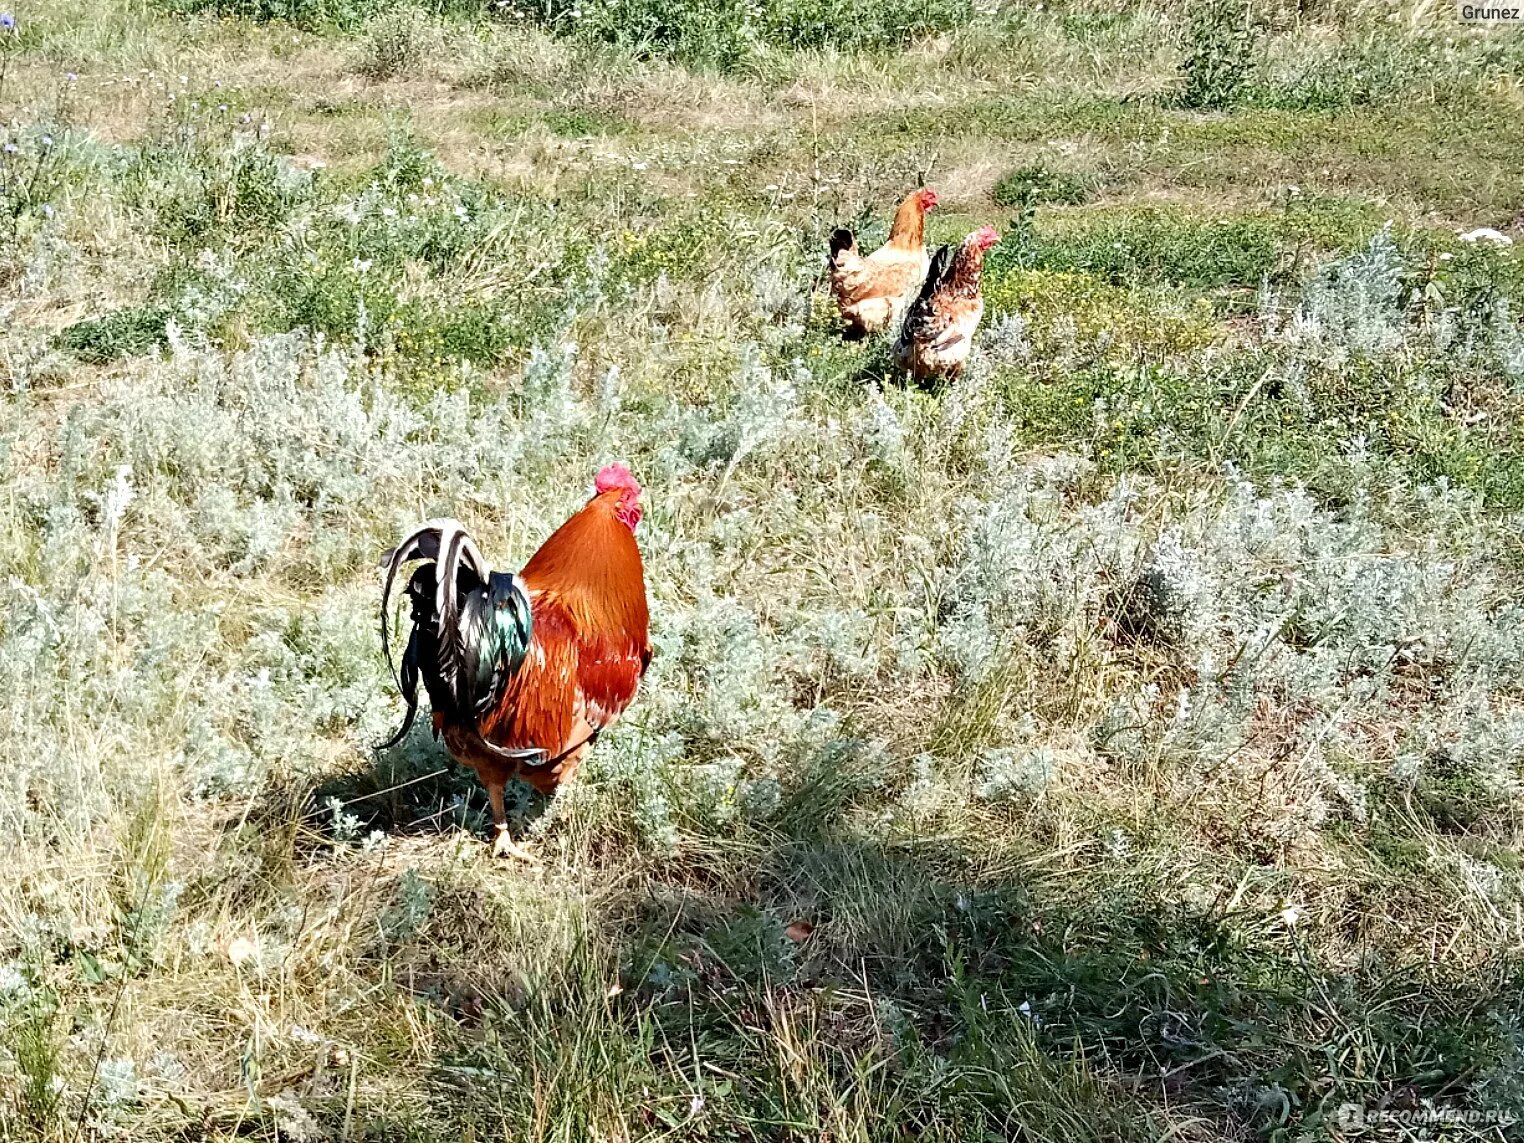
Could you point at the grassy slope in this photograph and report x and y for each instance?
(1123, 744)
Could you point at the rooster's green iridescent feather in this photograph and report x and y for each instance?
(466, 643)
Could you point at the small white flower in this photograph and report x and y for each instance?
(242, 950)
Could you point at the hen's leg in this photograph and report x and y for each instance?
(504, 845)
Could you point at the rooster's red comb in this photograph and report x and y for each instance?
(616, 475)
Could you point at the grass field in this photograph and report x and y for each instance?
(1123, 743)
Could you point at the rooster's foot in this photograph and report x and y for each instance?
(505, 846)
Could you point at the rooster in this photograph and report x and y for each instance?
(523, 671)
(871, 292)
(939, 326)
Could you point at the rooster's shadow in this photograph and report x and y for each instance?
(412, 788)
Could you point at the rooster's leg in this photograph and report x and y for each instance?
(504, 845)
(569, 767)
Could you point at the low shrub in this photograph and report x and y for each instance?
(395, 44)
(307, 13)
(324, 13)
(859, 25)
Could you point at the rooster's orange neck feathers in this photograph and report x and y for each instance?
(592, 567)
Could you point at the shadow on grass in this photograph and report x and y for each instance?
(1120, 1001)
(412, 788)
(810, 979)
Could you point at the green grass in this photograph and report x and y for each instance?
(123, 333)
(1036, 184)
(1122, 743)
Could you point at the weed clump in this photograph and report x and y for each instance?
(1221, 46)
(123, 333)
(319, 14)
(734, 33)
(1037, 185)
(396, 43)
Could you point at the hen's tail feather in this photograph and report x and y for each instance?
(421, 543)
(920, 314)
(427, 541)
(842, 241)
(451, 656)
(936, 272)
(530, 757)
